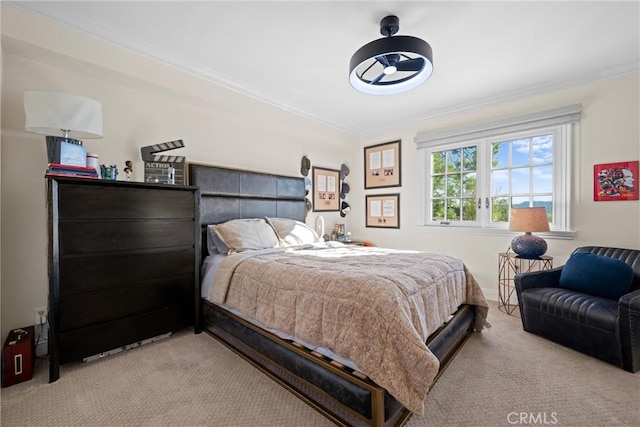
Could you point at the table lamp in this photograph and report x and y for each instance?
(63, 118)
(529, 220)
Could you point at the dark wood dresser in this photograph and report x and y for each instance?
(122, 264)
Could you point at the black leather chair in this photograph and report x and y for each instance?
(604, 328)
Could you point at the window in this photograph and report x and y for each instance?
(473, 177)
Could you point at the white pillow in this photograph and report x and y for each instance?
(245, 234)
(292, 232)
(215, 246)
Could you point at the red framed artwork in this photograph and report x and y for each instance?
(615, 181)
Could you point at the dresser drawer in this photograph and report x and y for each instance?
(80, 273)
(88, 202)
(84, 342)
(85, 237)
(102, 305)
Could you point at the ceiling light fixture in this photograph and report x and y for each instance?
(391, 64)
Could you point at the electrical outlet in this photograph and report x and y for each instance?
(41, 315)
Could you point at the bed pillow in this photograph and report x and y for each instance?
(215, 246)
(245, 234)
(596, 275)
(291, 232)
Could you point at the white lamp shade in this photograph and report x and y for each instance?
(53, 113)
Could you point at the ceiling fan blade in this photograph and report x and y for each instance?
(410, 65)
(377, 79)
(383, 60)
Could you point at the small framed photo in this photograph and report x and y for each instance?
(383, 211)
(326, 194)
(382, 165)
(615, 181)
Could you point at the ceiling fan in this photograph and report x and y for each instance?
(391, 64)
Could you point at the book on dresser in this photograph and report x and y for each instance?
(122, 265)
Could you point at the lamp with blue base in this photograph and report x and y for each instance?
(529, 220)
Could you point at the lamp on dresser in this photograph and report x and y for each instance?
(63, 118)
(529, 220)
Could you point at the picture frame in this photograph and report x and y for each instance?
(614, 182)
(382, 166)
(383, 210)
(326, 189)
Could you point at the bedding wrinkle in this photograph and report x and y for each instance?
(374, 306)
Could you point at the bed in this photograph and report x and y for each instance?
(290, 312)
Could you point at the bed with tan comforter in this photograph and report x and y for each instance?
(374, 306)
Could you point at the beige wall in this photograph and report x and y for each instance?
(143, 103)
(609, 132)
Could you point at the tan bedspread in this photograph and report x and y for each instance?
(375, 306)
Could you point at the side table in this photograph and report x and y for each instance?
(510, 264)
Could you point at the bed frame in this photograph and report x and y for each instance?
(346, 397)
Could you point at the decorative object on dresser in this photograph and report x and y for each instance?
(529, 220)
(161, 168)
(73, 116)
(122, 265)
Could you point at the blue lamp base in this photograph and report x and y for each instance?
(529, 246)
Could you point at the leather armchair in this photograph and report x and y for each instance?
(600, 327)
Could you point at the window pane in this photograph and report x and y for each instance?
(438, 162)
(499, 209)
(520, 202)
(469, 184)
(499, 155)
(453, 209)
(520, 152)
(469, 209)
(437, 210)
(520, 181)
(453, 185)
(500, 182)
(542, 148)
(470, 158)
(543, 179)
(439, 189)
(453, 161)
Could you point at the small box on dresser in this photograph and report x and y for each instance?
(122, 264)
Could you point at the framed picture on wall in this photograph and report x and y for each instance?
(382, 165)
(326, 194)
(383, 211)
(615, 181)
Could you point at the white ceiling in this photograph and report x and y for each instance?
(296, 54)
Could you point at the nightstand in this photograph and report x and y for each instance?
(510, 264)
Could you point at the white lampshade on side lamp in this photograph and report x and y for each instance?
(64, 118)
(529, 220)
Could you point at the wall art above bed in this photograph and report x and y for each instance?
(325, 190)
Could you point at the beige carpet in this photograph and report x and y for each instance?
(192, 380)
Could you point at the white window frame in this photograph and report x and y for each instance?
(559, 121)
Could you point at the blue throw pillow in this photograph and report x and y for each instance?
(596, 275)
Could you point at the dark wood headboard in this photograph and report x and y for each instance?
(227, 194)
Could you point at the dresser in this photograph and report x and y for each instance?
(122, 264)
